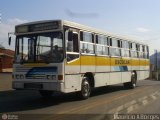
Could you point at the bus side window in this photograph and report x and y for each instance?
(119, 43)
(87, 43)
(96, 39)
(101, 45)
(81, 36)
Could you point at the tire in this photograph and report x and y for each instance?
(132, 84)
(85, 89)
(133, 81)
(45, 93)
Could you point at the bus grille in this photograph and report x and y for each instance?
(37, 72)
(20, 69)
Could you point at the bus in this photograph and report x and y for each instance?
(63, 56)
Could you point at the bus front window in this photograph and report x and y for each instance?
(46, 47)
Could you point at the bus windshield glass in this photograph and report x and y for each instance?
(45, 48)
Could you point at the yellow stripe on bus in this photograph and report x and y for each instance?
(107, 61)
(35, 65)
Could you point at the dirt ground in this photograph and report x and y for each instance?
(5, 81)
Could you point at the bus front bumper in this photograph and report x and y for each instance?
(52, 86)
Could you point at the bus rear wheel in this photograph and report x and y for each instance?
(46, 93)
(85, 89)
(132, 83)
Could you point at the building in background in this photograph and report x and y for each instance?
(6, 59)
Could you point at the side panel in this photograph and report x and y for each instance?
(102, 71)
(115, 78)
(115, 74)
(72, 82)
(126, 77)
(72, 75)
(87, 63)
(126, 73)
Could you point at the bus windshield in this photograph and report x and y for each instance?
(45, 48)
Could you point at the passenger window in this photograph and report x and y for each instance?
(115, 49)
(133, 46)
(87, 43)
(127, 44)
(110, 39)
(134, 54)
(87, 37)
(102, 45)
(143, 48)
(123, 44)
(102, 50)
(115, 52)
(101, 40)
(87, 48)
(125, 53)
(137, 47)
(114, 42)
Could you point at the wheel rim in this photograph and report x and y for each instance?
(85, 89)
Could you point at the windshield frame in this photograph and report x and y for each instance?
(36, 35)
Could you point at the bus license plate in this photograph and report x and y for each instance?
(32, 86)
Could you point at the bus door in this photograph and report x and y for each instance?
(72, 62)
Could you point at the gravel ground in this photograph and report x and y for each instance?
(5, 81)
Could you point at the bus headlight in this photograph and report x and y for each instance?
(51, 77)
(17, 76)
(21, 76)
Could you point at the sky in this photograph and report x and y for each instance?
(136, 19)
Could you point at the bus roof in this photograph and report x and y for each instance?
(86, 28)
(98, 31)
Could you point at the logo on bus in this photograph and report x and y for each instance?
(122, 62)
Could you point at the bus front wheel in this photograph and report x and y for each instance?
(85, 88)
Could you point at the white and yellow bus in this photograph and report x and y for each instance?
(63, 56)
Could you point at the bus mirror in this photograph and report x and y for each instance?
(10, 38)
(9, 41)
(70, 35)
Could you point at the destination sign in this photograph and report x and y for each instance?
(44, 26)
(38, 27)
